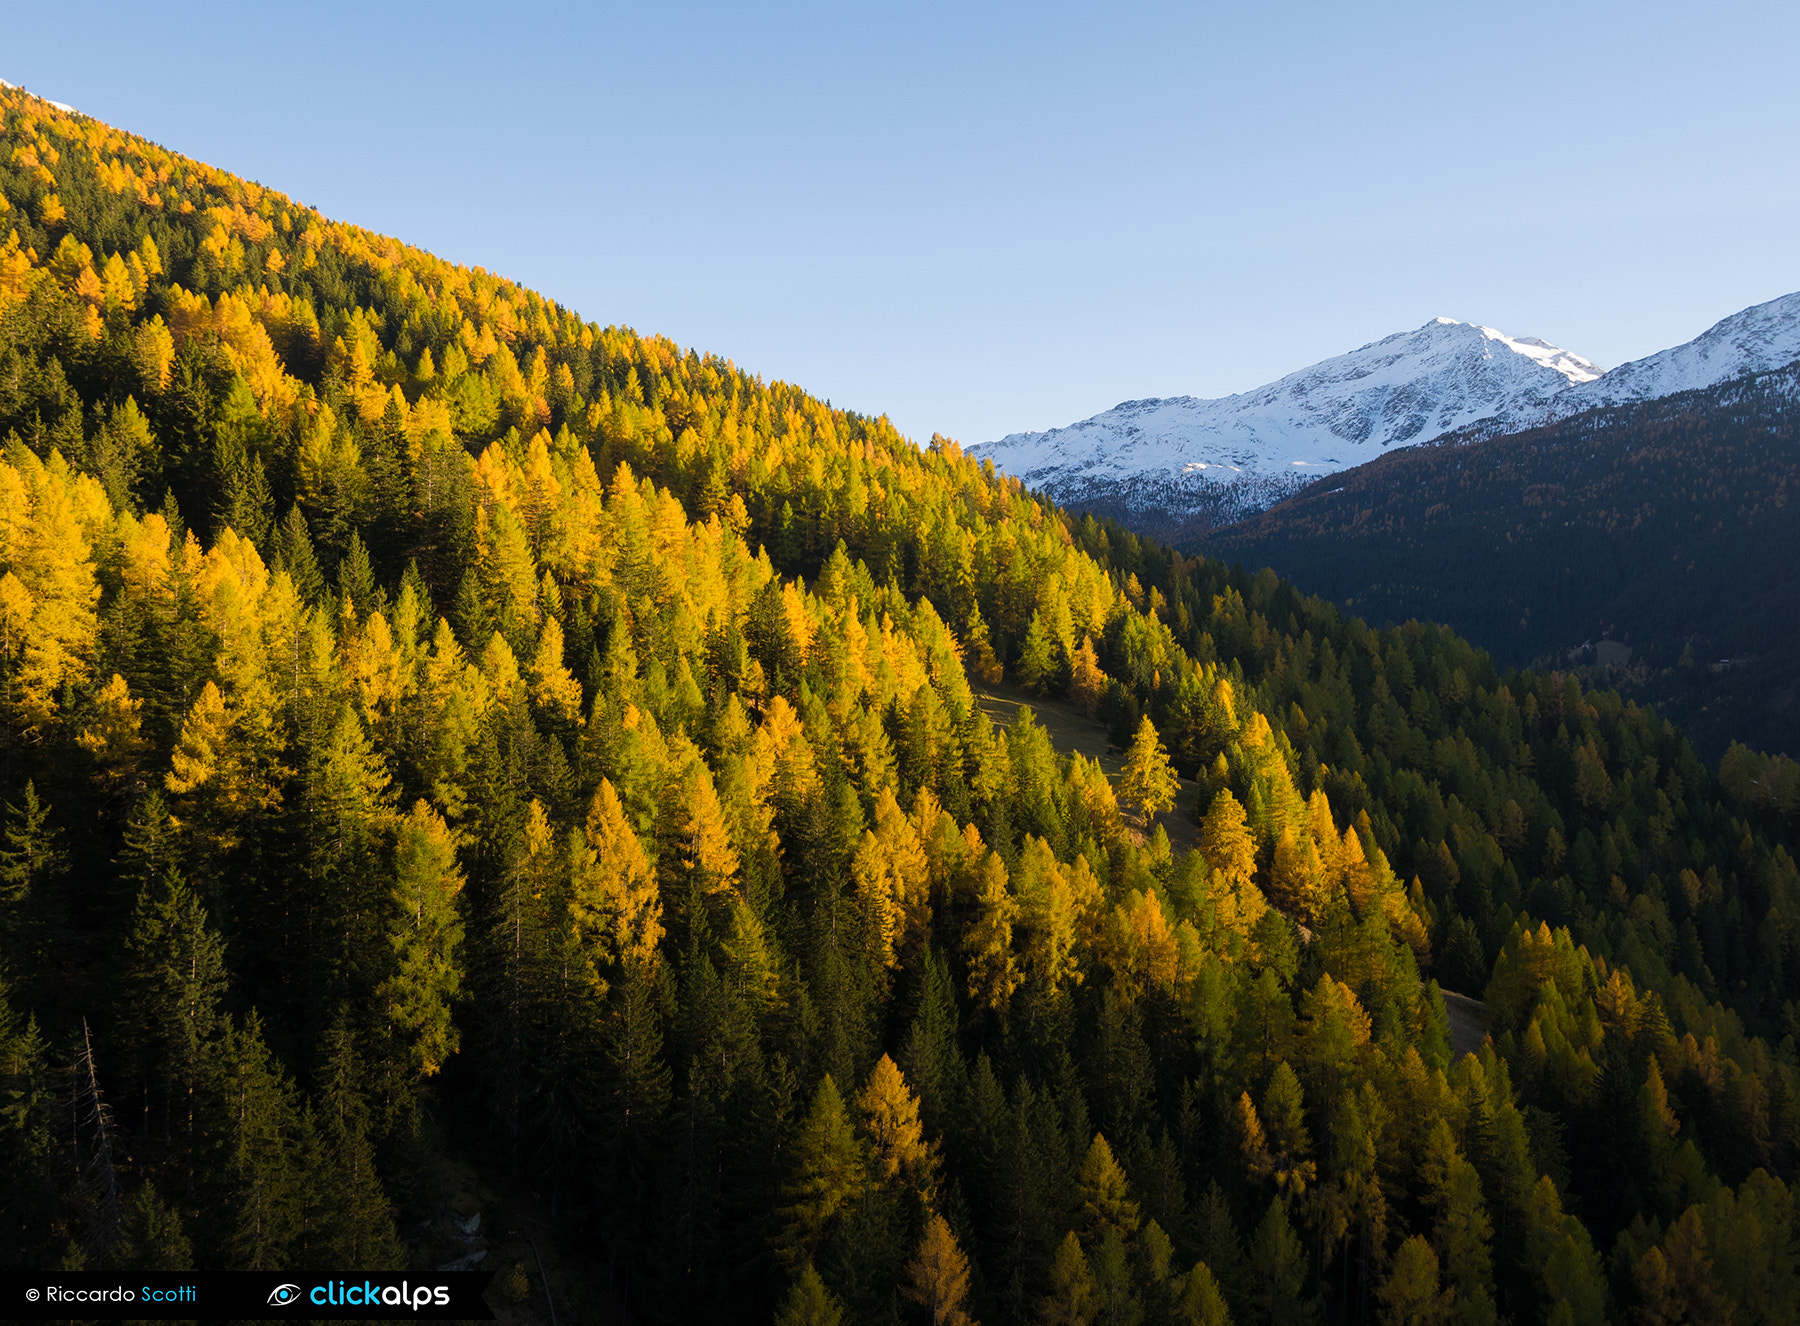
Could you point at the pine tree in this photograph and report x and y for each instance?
(632, 1041)
(152, 1236)
(356, 585)
(1461, 1233)
(809, 1302)
(32, 857)
(340, 814)
(828, 1172)
(358, 1228)
(294, 554)
(930, 1055)
(95, 1195)
(125, 457)
(255, 1192)
(30, 1120)
(1073, 1300)
(1284, 1118)
(174, 982)
(386, 458)
(1278, 1271)
(242, 500)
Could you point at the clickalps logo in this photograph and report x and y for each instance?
(367, 1294)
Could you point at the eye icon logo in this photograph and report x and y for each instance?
(284, 1295)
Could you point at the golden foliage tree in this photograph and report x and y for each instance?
(937, 1278)
(1149, 780)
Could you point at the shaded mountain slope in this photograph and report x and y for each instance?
(1669, 526)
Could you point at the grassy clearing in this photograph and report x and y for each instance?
(1072, 730)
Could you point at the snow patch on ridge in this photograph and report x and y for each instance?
(1754, 340)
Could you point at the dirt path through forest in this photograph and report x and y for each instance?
(1468, 1023)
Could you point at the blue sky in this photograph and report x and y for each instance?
(983, 218)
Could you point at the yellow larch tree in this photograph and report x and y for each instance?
(49, 517)
(114, 738)
(1148, 781)
(993, 972)
(553, 687)
(613, 902)
(1088, 684)
(702, 844)
(888, 1111)
(937, 1278)
(909, 871)
(871, 881)
(1230, 852)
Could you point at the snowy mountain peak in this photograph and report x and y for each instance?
(1406, 388)
(1165, 464)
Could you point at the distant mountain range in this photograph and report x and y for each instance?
(1177, 467)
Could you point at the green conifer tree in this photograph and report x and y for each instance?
(1277, 1273)
(174, 981)
(152, 1237)
(1073, 1299)
(828, 1172)
(809, 1302)
(1410, 1296)
(357, 1225)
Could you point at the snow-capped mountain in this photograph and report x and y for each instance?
(1760, 338)
(1175, 466)
(1182, 457)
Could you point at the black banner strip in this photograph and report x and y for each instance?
(242, 1296)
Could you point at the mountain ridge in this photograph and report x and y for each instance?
(1174, 467)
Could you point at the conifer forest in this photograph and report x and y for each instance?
(447, 742)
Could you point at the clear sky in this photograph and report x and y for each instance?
(980, 218)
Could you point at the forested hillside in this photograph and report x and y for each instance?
(1667, 526)
(439, 731)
